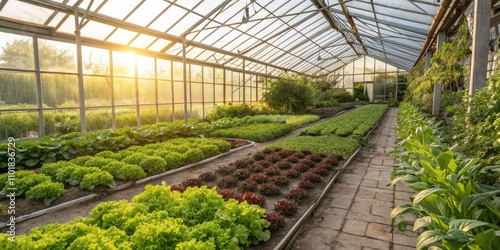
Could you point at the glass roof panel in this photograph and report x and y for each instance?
(147, 12)
(168, 18)
(122, 36)
(118, 8)
(24, 12)
(184, 24)
(96, 30)
(142, 41)
(158, 45)
(56, 19)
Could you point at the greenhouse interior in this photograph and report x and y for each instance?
(249, 124)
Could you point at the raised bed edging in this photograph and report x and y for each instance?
(292, 233)
(125, 185)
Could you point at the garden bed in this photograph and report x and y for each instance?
(325, 112)
(25, 207)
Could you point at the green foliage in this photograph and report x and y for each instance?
(24, 180)
(101, 178)
(357, 122)
(46, 192)
(153, 164)
(78, 173)
(113, 168)
(231, 110)
(193, 155)
(135, 158)
(130, 172)
(289, 95)
(51, 169)
(344, 146)
(453, 208)
(109, 155)
(98, 162)
(259, 132)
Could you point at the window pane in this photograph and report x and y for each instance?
(18, 90)
(97, 91)
(208, 93)
(147, 92)
(98, 118)
(57, 56)
(208, 74)
(219, 76)
(196, 72)
(178, 92)
(18, 125)
(16, 51)
(124, 91)
(165, 113)
(123, 64)
(164, 92)
(196, 92)
(164, 69)
(61, 121)
(95, 61)
(148, 115)
(60, 90)
(219, 93)
(145, 66)
(126, 116)
(178, 71)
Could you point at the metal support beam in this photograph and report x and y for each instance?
(83, 123)
(112, 89)
(436, 97)
(428, 56)
(480, 40)
(184, 73)
(38, 82)
(136, 84)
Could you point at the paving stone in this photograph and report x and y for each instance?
(379, 231)
(320, 238)
(403, 195)
(383, 185)
(404, 240)
(398, 202)
(384, 196)
(361, 206)
(328, 209)
(376, 190)
(349, 241)
(377, 161)
(369, 217)
(331, 221)
(381, 210)
(356, 227)
(347, 189)
(400, 247)
(341, 203)
(369, 183)
(402, 187)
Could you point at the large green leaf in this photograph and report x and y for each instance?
(446, 162)
(424, 193)
(428, 237)
(466, 225)
(487, 240)
(402, 209)
(423, 222)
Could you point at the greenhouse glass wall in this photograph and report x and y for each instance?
(121, 88)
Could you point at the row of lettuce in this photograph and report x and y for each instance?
(158, 218)
(105, 167)
(454, 206)
(33, 154)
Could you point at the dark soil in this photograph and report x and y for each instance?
(326, 112)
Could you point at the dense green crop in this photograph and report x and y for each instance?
(357, 122)
(158, 218)
(344, 146)
(259, 132)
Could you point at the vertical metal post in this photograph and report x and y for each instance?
(184, 69)
(156, 91)
(244, 82)
(428, 56)
(38, 82)
(480, 40)
(83, 123)
(172, 89)
(436, 97)
(136, 83)
(112, 81)
(224, 85)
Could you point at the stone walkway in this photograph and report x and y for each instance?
(355, 214)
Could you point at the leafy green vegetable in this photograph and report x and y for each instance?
(344, 146)
(46, 192)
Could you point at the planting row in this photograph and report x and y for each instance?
(158, 218)
(33, 154)
(259, 132)
(357, 122)
(105, 167)
(453, 206)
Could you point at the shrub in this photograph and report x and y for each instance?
(301, 167)
(92, 180)
(98, 162)
(319, 171)
(242, 174)
(289, 95)
(297, 194)
(173, 159)
(272, 171)
(312, 177)
(209, 150)
(46, 192)
(277, 222)
(241, 164)
(153, 165)
(113, 168)
(225, 170)
(194, 155)
(109, 155)
(293, 159)
(227, 182)
(134, 158)
(291, 173)
(260, 178)
(253, 199)
(269, 189)
(130, 172)
(258, 156)
(208, 177)
(306, 185)
(80, 161)
(283, 165)
(193, 182)
(229, 194)
(50, 169)
(286, 208)
(248, 186)
(280, 181)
